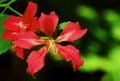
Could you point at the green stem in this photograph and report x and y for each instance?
(4, 10)
(14, 11)
(44, 37)
(7, 5)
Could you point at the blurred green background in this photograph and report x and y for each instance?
(100, 47)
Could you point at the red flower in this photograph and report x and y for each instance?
(48, 25)
(15, 25)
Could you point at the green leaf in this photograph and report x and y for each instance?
(101, 34)
(2, 19)
(87, 12)
(62, 25)
(1, 1)
(4, 46)
(111, 17)
(115, 31)
(93, 62)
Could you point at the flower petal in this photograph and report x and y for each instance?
(28, 19)
(19, 52)
(36, 60)
(9, 35)
(71, 53)
(30, 10)
(27, 40)
(48, 23)
(71, 32)
(12, 23)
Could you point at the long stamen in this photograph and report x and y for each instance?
(52, 46)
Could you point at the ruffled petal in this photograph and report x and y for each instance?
(27, 40)
(19, 52)
(71, 53)
(48, 23)
(28, 19)
(12, 23)
(36, 60)
(71, 32)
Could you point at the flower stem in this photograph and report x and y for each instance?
(7, 5)
(14, 11)
(4, 10)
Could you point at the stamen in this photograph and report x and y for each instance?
(22, 26)
(52, 46)
(14, 33)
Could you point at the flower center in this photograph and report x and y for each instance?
(52, 46)
(22, 26)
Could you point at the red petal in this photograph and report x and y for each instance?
(19, 52)
(71, 32)
(27, 40)
(30, 10)
(28, 17)
(71, 53)
(27, 35)
(33, 24)
(48, 23)
(9, 35)
(36, 60)
(12, 23)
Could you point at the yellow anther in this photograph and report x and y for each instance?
(22, 26)
(52, 46)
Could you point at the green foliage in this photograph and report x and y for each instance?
(110, 64)
(100, 35)
(4, 44)
(2, 18)
(94, 62)
(62, 25)
(115, 31)
(93, 46)
(114, 55)
(1, 1)
(111, 17)
(87, 13)
(114, 73)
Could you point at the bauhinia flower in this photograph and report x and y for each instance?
(15, 25)
(48, 24)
